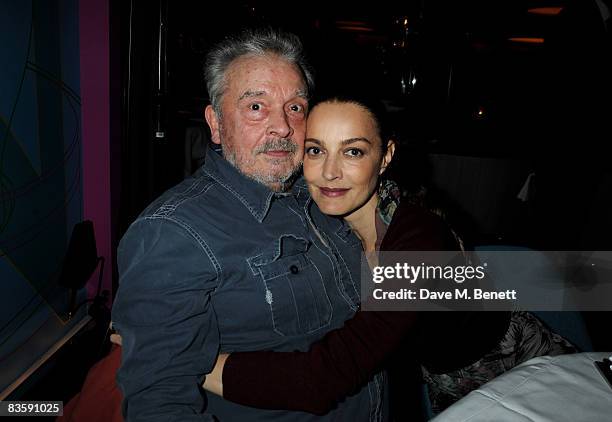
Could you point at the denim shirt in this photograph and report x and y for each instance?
(220, 263)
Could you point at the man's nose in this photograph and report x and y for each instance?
(278, 125)
(332, 169)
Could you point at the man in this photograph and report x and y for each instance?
(236, 257)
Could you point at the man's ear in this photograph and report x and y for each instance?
(213, 122)
(386, 160)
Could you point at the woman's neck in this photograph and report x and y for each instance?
(363, 223)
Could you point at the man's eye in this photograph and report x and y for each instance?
(354, 152)
(313, 150)
(255, 107)
(296, 108)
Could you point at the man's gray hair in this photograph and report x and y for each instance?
(258, 42)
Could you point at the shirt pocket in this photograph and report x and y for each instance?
(294, 287)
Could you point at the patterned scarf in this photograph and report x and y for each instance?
(389, 195)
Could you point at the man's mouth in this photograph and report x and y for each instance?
(277, 153)
(333, 192)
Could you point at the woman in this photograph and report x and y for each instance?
(346, 152)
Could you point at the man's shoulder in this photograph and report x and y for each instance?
(181, 197)
(186, 210)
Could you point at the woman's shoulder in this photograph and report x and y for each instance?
(413, 227)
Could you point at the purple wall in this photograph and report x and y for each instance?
(95, 111)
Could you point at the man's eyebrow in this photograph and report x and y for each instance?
(249, 94)
(302, 94)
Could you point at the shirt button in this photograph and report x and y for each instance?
(294, 269)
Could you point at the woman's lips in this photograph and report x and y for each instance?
(333, 192)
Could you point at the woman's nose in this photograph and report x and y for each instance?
(332, 169)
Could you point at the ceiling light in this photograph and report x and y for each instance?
(527, 40)
(547, 11)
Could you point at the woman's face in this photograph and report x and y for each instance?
(343, 157)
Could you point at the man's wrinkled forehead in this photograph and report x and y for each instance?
(250, 75)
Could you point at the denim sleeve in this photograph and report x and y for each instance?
(163, 312)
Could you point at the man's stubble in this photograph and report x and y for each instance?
(275, 182)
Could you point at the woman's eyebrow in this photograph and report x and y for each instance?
(353, 140)
(344, 142)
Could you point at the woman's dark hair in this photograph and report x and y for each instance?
(374, 106)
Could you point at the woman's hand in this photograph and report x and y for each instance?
(214, 381)
(116, 339)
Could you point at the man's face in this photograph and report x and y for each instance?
(263, 119)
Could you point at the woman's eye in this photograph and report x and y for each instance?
(313, 150)
(354, 152)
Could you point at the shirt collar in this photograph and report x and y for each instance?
(344, 230)
(255, 196)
